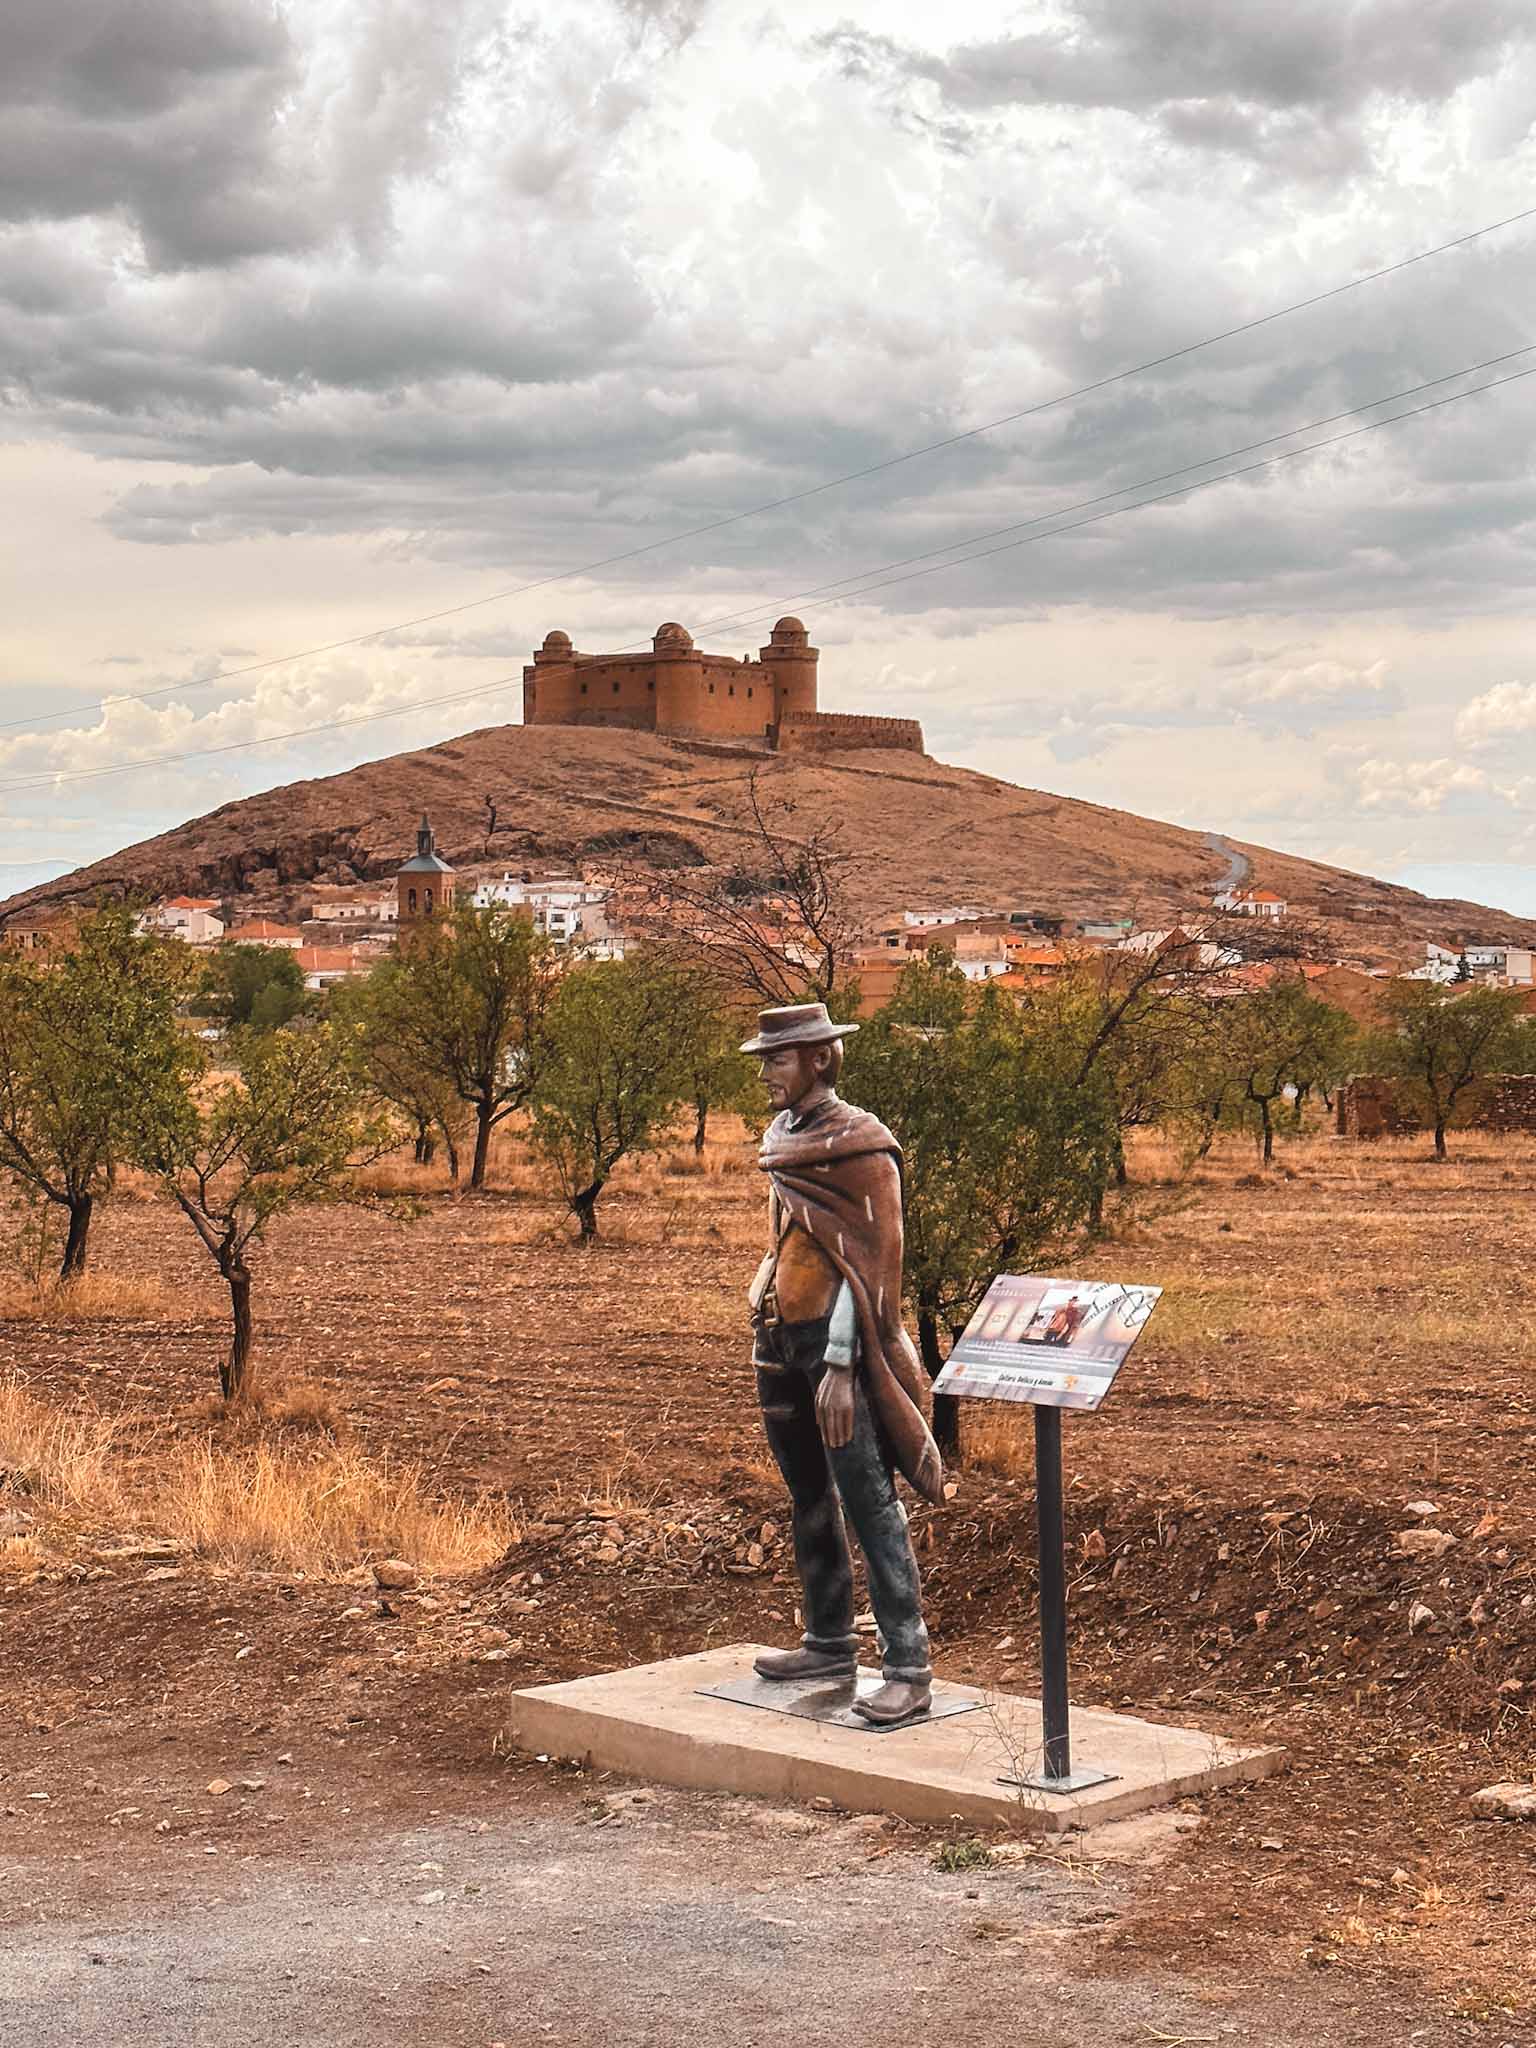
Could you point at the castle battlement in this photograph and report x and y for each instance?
(679, 690)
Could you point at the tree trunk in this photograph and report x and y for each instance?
(483, 1115)
(700, 1123)
(1122, 1174)
(1269, 1131)
(234, 1375)
(1440, 1137)
(451, 1147)
(946, 1409)
(80, 1207)
(584, 1209)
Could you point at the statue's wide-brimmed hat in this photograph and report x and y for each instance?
(796, 1024)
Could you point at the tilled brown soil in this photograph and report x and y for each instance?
(1333, 1346)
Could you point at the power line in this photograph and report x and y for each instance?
(757, 612)
(883, 579)
(1183, 490)
(793, 497)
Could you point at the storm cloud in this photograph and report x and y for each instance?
(461, 296)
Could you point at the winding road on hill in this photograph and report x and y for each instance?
(1239, 866)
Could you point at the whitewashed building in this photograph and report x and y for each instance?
(1502, 966)
(192, 919)
(956, 913)
(1251, 903)
(565, 907)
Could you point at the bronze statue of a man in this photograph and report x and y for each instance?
(839, 1383)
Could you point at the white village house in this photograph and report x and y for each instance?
(1251, 902)
(1500, 966)
(323, 966)
(355, 906)
(192, 919)
(266, 931)
(570, 909)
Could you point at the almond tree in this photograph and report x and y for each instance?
(1439, 1040)
(1276, 1045)
(393, 1069)
(617, 1068)
(467, 1002)
(1006, 1152)
(89, 1049)
(291, 1128)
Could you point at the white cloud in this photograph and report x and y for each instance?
(1417, 785)
(1500, 713)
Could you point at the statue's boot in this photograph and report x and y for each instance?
(899, 1699)
(830, 1665)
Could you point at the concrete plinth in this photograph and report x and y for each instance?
(655, 1721)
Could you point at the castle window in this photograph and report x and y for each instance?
(749, 689)
(651, 684)
(583, 689)
(615, 689)
(711, 689)
(733, 689)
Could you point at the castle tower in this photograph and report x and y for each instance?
(424, 886)
(549, 687)
(678, 679)
(790, 661)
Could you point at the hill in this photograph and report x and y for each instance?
(925, 833)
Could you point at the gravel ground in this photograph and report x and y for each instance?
(613, 1918)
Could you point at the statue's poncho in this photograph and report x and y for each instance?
(839, 1178)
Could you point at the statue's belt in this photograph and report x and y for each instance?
(842, 1323)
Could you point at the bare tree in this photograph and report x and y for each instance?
(777, 924)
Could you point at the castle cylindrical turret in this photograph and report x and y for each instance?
(678, 672)
(791, 662)
(549, 687)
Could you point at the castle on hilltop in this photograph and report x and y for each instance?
(678, 690)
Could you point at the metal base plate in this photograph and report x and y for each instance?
(813, 1699)
(1079, 1781)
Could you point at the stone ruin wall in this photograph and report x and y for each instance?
(1367, 1107)
(828, 732)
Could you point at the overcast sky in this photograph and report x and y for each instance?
(317, 318)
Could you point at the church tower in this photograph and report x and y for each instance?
(424, 886)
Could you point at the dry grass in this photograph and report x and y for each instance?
(255, 1505)
(323, 1515)
(93, 1296)
(402, 1176)
(66, 1459)
(298, 1408)
(998, 1438)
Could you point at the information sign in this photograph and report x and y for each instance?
(1057, 1343)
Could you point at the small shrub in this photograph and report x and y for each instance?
(966, 1854)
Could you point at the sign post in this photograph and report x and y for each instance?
(1050, 1525)
(1054, 1344)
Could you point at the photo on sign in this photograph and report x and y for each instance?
(1048, 1340)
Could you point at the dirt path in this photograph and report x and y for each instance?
(563, 1912)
